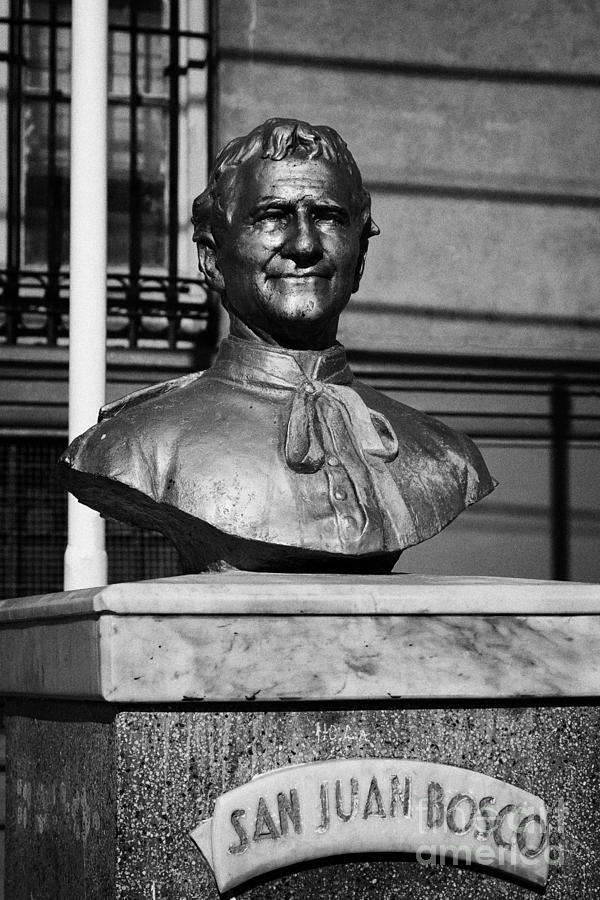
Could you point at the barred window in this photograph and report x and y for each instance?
(158, 125)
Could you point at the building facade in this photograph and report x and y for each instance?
(475, 126)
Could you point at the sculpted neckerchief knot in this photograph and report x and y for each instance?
(308, 441)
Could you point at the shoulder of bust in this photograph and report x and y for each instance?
(136, 437)
(423, 437)
(148, 393)
(401, 415)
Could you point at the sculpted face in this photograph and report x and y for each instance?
(288, 258)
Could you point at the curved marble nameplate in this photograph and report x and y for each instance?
(345, 806)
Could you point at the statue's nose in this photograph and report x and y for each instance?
(302, 240)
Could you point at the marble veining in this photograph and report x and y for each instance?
(344, 657)
(309, 638)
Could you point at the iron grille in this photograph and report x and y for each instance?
(153, 299)
(33, 526)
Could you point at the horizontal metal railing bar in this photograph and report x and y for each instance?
(141, 99)
(142, 308)
(116, 284)
(373, 362)
(456, 383)
(161, 30)
(32, 271)
(37, 434)
(33, 403)
(429, 381)
(534, 437)
(512, 415)
(414, 385)
(32, 92)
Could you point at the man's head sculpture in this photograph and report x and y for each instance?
(277, 458)
(283, 228)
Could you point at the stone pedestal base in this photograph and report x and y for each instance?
(134, 707)
(101, 801)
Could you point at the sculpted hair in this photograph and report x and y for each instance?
(276, 139)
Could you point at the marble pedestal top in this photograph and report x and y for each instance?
(300, 638)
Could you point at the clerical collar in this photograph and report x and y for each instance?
(247, 356)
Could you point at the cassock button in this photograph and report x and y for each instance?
(349, 522)
(333, 461)
(340, 494)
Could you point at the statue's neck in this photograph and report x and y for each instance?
(320, 341)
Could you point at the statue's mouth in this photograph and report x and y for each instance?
(304, 275)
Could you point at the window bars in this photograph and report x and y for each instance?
(154, 300)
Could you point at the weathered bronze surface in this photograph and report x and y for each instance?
(277, 457)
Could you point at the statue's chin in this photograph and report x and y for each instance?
(311, 298)
(302, 309)
(297, 316)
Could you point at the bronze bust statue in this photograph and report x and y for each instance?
(277, 458)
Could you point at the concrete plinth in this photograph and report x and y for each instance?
(103, 793)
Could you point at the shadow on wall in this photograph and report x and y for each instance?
(509, 532)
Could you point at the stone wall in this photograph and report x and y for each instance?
(104, 808)
(476, 126)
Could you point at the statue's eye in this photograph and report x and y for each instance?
(272, 214)
(330, 215)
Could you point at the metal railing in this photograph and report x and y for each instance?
(148, 300)
(142, 309)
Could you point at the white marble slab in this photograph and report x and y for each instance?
(271, 594)
(232, 638)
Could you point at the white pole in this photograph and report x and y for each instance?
(85, 557)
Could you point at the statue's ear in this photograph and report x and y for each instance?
(370, 229)
(360, 268)
(208, 265)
